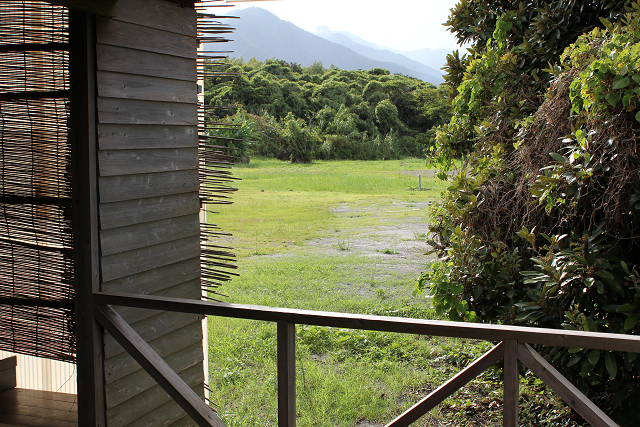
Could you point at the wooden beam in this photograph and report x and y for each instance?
(286, 374)
(487, 332)
(184, 396)
(511, 383)
(447, 389)
(567, 391)
(90, 373)
(99, 7)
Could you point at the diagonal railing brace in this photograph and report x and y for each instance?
(567, 391)
(159, 370)
(447, 389)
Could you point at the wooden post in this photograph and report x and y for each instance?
(90, 373)
(420, 182)
(511, 384)
(286, 374)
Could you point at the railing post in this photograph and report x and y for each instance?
(286, 374)
(511, 393)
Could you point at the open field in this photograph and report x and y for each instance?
(347, 237)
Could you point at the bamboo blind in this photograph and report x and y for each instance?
(215, 159)
(36, 259)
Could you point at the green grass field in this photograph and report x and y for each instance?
(341, 236)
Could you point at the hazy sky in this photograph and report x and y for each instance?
(401, 25)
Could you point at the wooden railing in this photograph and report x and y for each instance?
(514, 347)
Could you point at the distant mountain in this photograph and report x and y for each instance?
(263, 35)
(323, 30)
(373, 51)
(435, 58)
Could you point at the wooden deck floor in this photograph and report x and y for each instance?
(32, 408)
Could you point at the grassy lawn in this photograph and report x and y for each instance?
(347, 237)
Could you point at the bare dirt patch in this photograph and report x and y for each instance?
(397, 243)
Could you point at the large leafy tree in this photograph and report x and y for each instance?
(541, 226)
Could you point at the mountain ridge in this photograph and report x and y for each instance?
(262, 35)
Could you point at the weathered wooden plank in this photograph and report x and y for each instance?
(131, 61)
(152, 328)
(131, 86)
(15, 420)
(133, 137)
(8, 373)
(15, 398)
(286, 374)
(189, 290)
(145, 259)
(127, 162)
(127, 387)
(165, 414)
(124, 239)
(171, 382)
(481, 331)
(447, 389)
(130, 212)
(36, 412)
(133, 36)
(184, 422)
(152, 281)
(8, 363)
(43, 395)
(567, 391)
(132, 111)
(159, 14)
(123, 364)
(130, 187)
(511, 384)
(99, 7)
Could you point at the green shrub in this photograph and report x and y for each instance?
(541, 227)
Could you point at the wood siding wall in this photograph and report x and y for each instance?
(148, 197)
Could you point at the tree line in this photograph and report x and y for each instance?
(284, 110)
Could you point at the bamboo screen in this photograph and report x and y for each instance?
(215, 158)
(36, 262)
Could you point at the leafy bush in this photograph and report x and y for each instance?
(541, 226)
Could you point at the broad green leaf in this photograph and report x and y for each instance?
(638, 116)
(594, 356)
(612, 98)
(626, 307)
(620, 82)
(608, 25)
(456, 288)
(631, 321)
(610, 363)
(574, 359)
(558, 158)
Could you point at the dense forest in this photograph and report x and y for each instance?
(280, 109)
